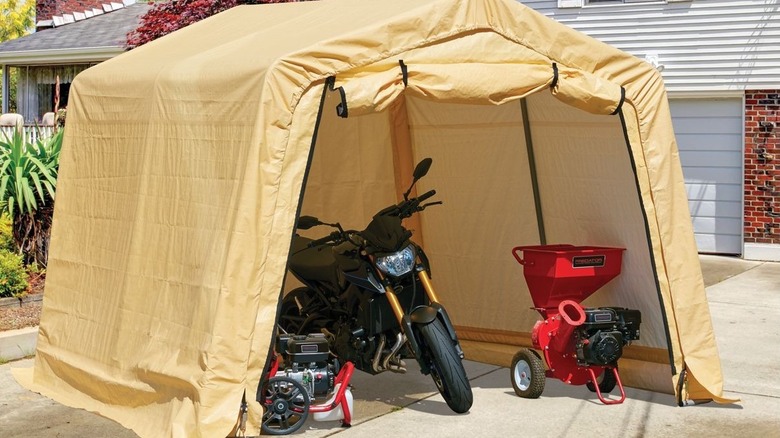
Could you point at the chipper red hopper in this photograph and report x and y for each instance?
(580, 345)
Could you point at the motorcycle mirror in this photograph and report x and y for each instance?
(419, 171)
(306, 222)
(422, 168)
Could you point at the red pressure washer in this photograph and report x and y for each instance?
(580, 345)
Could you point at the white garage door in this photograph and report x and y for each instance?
(709, 136)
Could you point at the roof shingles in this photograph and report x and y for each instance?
(107, 30)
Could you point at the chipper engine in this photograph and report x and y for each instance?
(581, 346)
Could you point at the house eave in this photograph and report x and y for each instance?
(59, 56)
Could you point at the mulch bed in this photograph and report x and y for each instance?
(27, 313)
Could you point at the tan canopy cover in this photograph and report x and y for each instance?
(185, 163)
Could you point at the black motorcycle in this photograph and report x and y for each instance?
(370, 292)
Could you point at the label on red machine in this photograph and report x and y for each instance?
(591, 261)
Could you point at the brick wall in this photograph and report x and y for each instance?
(762, 166)
(45, 9)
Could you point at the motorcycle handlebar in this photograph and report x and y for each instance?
(408, 207)
(425, 196)
(332, 237)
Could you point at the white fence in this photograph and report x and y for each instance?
(31, 133)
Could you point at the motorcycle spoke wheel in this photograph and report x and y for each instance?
(446, 367)
(286, 406)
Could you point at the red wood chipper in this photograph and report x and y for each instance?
(580, 345)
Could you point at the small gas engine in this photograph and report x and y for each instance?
(606, 330)
(302, 371)
(306, 359)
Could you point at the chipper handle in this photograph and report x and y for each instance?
(515, 252)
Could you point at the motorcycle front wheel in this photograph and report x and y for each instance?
(446, 367)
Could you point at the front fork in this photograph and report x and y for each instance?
(420, 316)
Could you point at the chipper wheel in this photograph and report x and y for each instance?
(527, 374)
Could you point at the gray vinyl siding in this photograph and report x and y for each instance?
(704, 45)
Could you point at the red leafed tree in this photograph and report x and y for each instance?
(166, 17)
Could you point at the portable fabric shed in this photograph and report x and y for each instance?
(185, 160)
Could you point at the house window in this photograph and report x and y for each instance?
(604, 2)
(580, 3)
(37, 86)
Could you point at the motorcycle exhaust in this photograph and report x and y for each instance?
(387, 363)
(378, 355)
(395, 367)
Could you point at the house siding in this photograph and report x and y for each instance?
(703, 45)
(709, 49)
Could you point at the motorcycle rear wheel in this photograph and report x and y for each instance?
(446, 367)
(290, 317)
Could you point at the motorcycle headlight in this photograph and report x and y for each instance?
(397, 264)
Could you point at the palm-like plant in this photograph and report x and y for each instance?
(28, 179)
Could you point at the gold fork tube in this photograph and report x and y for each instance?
(392, 298)
(426, 281)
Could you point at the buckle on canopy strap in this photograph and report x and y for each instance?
(342, 110)
(587, 91)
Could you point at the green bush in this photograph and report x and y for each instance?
(6, 234)
(13, 276)
(28, 178)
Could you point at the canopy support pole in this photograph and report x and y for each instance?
(529, 144)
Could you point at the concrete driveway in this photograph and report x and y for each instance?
(744, 300)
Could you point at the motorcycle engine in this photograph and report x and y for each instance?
(352, 344)
(606, 330)
(307, 359)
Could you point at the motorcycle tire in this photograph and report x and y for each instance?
(446, 367)
(290, 318)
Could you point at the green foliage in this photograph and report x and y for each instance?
(6, 234)
(28, 179)
(13, 276)
(13, 79)
(28, 172)
(59, 118)
(165, 17)
(17, 18)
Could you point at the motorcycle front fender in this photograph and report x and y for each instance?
(426, 315)
(423, 315)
